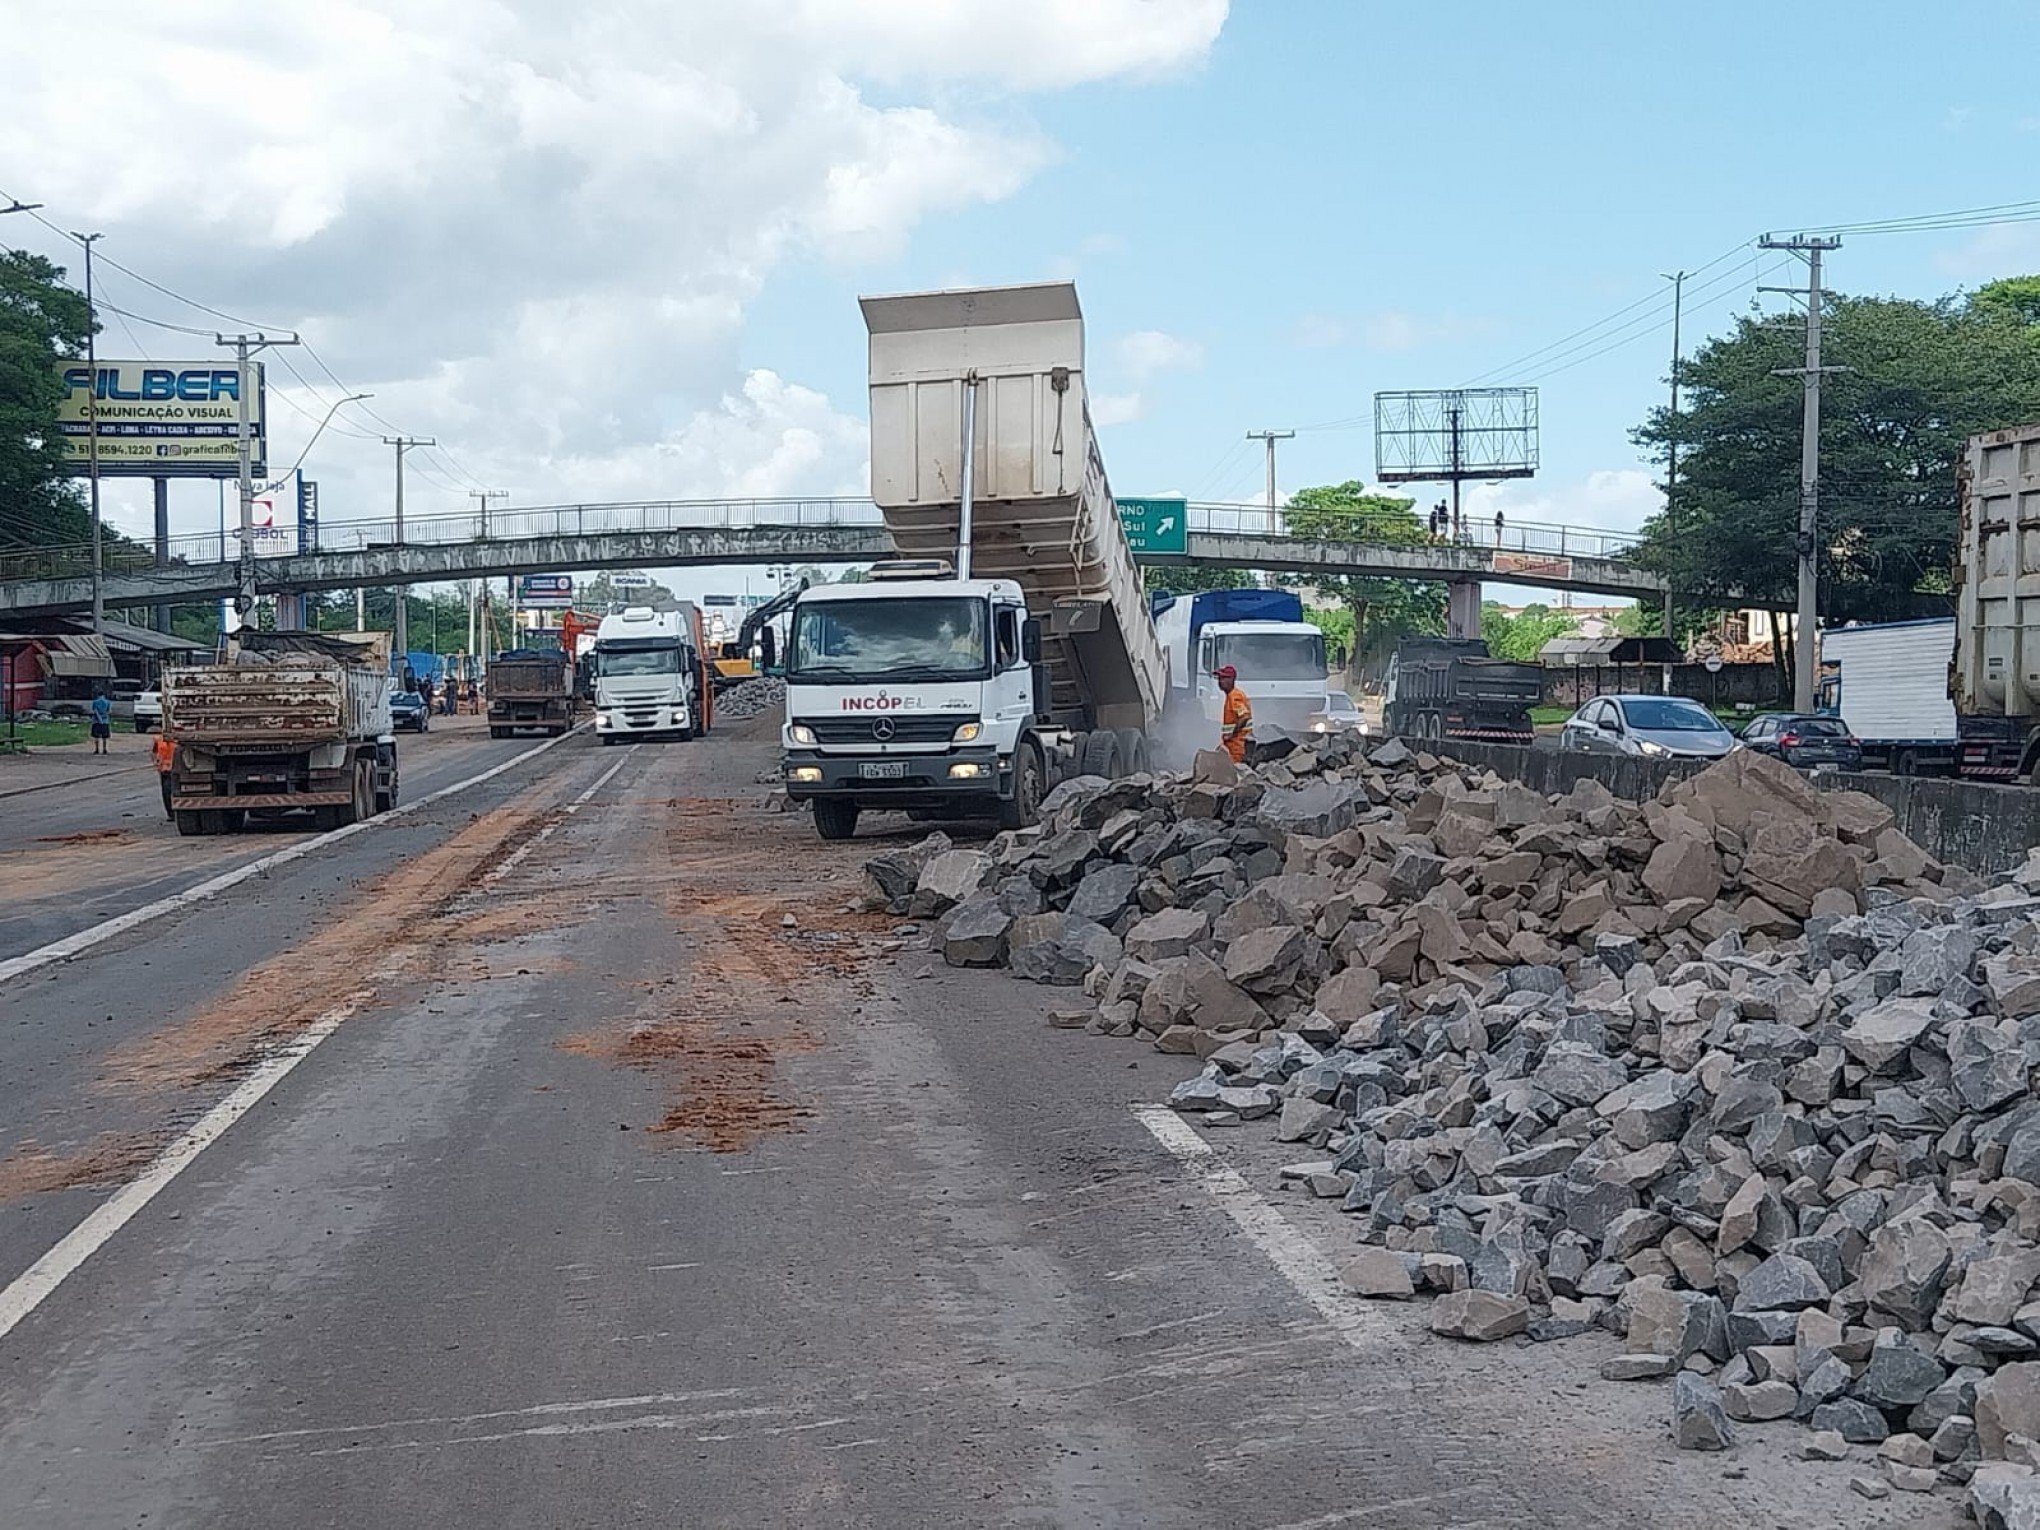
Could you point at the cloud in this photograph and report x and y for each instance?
(1607, 499)
(1139, 358)
(536, 231)
(1990, 253)
(1321, 332)
(1117, 408)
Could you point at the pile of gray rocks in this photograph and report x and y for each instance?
(751, 698)
(1739, 1074)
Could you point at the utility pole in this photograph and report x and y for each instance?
(1678, 281)
(483, 496)
(244, 346)
(1805, 624)
(1271, 437)
(92, 429)
(402, 638)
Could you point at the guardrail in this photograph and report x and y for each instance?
(509, 525)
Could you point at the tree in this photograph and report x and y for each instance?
(1192, 578)
(2015, 297)
(1523, 636)
(42, 322)
(1384, 610)
(1920, 379)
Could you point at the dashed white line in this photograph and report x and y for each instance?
(1301, 1262)
(28, 1290)
(120, 924)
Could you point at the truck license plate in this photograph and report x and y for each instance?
(883, 770)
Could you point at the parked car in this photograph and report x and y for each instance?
(1803, 739)
(148, 709)
(1656, 727)
(408, 710)
(1338, 716)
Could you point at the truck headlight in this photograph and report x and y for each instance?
(805, 773)
(800, 733)
(966, 733)
(966, 770)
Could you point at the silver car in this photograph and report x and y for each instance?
(1655, 727)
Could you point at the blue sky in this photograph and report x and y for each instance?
(1350, 197)
(614, 253)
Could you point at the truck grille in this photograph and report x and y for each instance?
(887, 729)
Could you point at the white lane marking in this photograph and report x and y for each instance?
(1302, 1263)
(27, 1290)
(454, 1420)
(120, 924)
(604, 1426)
(1369, 1511)
(516, 857)
(655, 1268)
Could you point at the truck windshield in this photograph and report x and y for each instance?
(938, 638)
(638, 661)
(1273, 655)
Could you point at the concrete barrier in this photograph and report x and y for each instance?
(1986, 828)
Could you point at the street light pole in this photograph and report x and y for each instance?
(403, 624)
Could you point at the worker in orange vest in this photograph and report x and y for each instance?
(1236, 722)
(166, 756)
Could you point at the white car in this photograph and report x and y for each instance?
(148, 709)
(1338, 716)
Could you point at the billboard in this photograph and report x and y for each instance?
(173, 419)
(545, 591)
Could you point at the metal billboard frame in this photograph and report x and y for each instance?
(1436, 435)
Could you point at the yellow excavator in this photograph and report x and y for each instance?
(736, 665)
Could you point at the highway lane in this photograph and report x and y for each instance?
(76, 854)
(619, 1201)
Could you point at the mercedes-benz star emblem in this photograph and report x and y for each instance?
(883, 729)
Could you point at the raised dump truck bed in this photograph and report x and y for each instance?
(1042, 512)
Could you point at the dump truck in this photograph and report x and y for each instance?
(1889, 682)
(1442, 688)
(530, 688)
(292, 720)
(1994, 678)
(1279, 657)
(1009, 645)
(653, 674)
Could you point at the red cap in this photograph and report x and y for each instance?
(1225, 672)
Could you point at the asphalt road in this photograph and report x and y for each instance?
(614, 1199)
(75, 854)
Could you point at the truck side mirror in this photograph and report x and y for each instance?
(1030, 640)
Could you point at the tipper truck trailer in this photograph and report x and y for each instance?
(291, 720)
(1012, 647)
(530, 688)
(1889, 682)
(1994, 678)
(1444, 688)
(1279, 657)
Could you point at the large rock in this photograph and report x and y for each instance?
(1884, 1033)
(1902, 1272)
(1987, 1070)
(1169, 932)
(2008, 1403)
(1376, 1272)
(1105, 892)
(1192, 990)
(1059, 948)
(1348, 994)
(1899, 1376)
(1995, 1288)
(890, 878)
(1698, 1419)
(1782, 1283)
(1683, 867)
(1675, 1323)
(1481, 1316)
(947, 880)
(974, 935)
(1413, 873)
(1579, 1075)
(1319, 809)
(1266, 961)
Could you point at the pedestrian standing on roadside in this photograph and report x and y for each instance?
(102, 722)
(166, 756)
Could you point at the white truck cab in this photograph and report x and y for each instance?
(647, 674)
(915, 691)
(1281, 667)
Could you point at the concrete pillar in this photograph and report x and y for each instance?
(161, 611)
(290, 611)
(1462, 608)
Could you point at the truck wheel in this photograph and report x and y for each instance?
(1100, 756)
(212, 820)
(1133, 751)
(1905, 763)
(233, 820)
(835, 818)
(1021, 809)
(188, 823)
(496, 732)
(607, 738)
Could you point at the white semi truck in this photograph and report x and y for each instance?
(651, 674)
(1011, 646)
(1278, 657)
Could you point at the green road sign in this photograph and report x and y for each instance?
(1153, 525)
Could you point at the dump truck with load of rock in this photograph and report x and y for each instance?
(530, 688)
(1439, 688)
(292, 720)
(1994, 680)
(1012, 646)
